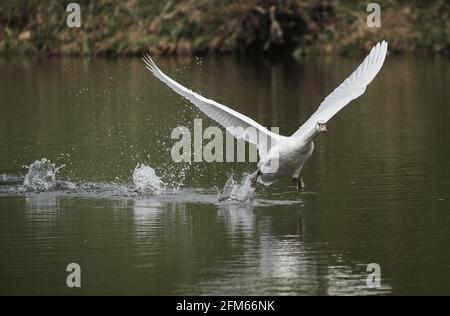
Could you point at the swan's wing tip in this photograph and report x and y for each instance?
(351, 88)
(384, 45)
(149, 62)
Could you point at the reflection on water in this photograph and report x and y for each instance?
(376, 186)
(172, 248)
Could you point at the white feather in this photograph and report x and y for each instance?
(288, 153)
(223, 115)
(352, 87)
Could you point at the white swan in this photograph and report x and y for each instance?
(287, 154)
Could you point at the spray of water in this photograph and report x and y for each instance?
(237, 190)
(41, 176)
(146, 181)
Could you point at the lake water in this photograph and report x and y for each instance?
(377, 185)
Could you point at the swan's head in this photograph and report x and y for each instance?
(321, 127)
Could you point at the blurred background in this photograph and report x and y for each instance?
(377, 186)
(290, 27)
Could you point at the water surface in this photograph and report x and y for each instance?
(377, 186)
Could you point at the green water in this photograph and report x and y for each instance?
(377, 185)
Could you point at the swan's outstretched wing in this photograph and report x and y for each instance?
(236, 123)
(350, 89)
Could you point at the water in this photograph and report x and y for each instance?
(377, 185)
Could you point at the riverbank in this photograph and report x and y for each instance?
(296, 28)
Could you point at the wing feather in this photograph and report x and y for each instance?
(228, 118)
(352, 87)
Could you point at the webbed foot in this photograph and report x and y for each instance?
(300, 184)
(255, 176)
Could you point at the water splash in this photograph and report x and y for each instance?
(41, 176)
(147, 185)
(146, 180)
(237, 191)
(175, 175)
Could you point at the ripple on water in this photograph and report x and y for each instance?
(41, 178)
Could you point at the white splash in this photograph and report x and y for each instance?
(41, 176)
(146, 180)
(237, 191)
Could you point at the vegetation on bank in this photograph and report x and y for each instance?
(112, 27)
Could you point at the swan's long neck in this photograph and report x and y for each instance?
(311, 135)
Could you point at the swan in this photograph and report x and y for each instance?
(287, 153)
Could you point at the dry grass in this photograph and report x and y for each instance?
(203, 26)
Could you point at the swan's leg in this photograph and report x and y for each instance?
(300, 184)
(254, 176)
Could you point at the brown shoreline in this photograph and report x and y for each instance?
(295, 28)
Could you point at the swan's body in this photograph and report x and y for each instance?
(288, 154)
(291, 157)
